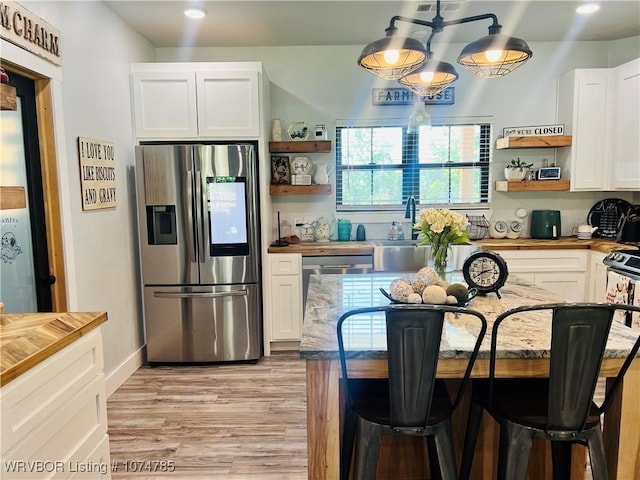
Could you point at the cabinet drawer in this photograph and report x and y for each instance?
(37, 395)
(65, 439)
(545, 260)
(286, 263)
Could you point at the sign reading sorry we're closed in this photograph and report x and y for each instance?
(97, 173)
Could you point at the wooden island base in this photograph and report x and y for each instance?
(407, 458)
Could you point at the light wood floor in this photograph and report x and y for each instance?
(231, 422)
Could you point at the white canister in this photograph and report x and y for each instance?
(320, 132)
(276, 130)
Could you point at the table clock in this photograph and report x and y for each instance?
(486, 271)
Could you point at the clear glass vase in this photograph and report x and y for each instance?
(439, 256)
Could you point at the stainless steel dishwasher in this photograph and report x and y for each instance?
(333, 264)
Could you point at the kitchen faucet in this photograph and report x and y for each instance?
(410, 212)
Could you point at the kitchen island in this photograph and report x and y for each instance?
(522, 355)
(52, 396)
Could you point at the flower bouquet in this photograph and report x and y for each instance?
(441, 228)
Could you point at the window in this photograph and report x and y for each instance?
(380, 167)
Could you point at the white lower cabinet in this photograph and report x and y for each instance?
(597, 287)
(54, 416)
(286, 296)
(560, 271)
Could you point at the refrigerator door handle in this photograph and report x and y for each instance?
(200, 204)
(191, 217)
(235, 293)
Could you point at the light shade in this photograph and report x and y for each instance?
(430, 79)
(494, 55)
(392, 57)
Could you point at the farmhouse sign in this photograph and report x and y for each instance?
(97, 173)
(28, 31)
(402, 96)
(533, 131)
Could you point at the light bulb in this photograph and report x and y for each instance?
(195, 13)
(493, 55)
(391, 56)
(426, 77)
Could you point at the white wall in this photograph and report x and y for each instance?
(321, 84)
(92, 99)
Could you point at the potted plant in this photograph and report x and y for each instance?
(516, 170)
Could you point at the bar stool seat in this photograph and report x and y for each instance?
(559, 408)
(412, 401)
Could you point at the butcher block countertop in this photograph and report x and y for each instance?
(26, 339)
(314, 249)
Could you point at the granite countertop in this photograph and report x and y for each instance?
(330, 296)
(365, 248)
(26, 339)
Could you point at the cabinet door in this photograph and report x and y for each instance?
(567, 284)
(228, 104)
(164, 105)
(582, 106)
(286, 310)
(626, 125)
(597, 289)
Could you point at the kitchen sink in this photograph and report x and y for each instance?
(393, 243)
(409, 256)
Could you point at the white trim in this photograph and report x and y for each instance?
(401, 122)
(124, 371)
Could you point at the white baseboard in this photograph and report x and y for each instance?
(124, 371)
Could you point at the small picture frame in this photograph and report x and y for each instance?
(549, 173)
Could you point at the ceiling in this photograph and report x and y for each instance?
(244, 23)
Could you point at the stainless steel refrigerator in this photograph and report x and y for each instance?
(200, 252)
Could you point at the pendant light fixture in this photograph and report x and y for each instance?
(392, 57)
(405, 59)
(495, 55)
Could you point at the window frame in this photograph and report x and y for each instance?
(411, 168)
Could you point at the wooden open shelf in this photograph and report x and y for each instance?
(300, 189)
(8, 97)
(12, 197)
(319, 146)
(550, 141)
(533, 186)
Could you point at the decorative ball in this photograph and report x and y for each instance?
(428, 275)
(452, 300)
(435, 295)
(443, 283)
(459, 291)
(418, 286)
(414, 298)
(400, 289)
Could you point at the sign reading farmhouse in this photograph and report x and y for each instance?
(533, 131)
(28, 31)
(97, 173)
(402, 96)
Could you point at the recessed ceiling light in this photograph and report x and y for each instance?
(588, 8)
(195, 13)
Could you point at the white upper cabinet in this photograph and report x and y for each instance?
(218, 101)
(582, 107)
(625, 133)
(228, 104)
(600, 108)
(165, 104)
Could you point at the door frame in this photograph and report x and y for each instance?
(50, 186)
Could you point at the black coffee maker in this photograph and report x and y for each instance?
(629, 226)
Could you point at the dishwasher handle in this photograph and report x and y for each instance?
(235, 293)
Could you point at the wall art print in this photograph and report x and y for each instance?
(280, 170)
